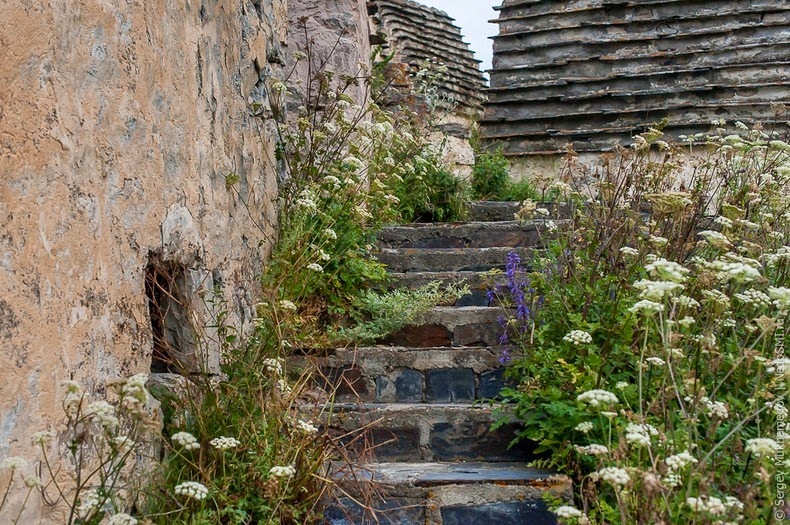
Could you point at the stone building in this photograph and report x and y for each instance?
(417, 34)
(593, 73)
(120, 123)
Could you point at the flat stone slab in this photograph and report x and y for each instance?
(452, 326)
(432, 431)
(477, 282)
(402, 260)
(504, 211)
(433, 474)
(464, 235)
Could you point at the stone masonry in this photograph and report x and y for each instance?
(119, 123)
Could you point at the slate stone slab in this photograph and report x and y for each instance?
(395, 511)
(347, 380)
(451, 385)
(409, 386)
(529, 512)
(491, 384)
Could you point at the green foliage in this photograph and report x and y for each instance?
(653, 332)
(491, 180)
(428, 192)
(377, 315)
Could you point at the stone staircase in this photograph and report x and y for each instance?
(420, 395)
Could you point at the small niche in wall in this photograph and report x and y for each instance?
(174, 340)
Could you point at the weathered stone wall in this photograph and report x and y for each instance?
(119, 122)
(338, 32)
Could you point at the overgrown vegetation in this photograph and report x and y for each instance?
(491, 179)
(648, 345)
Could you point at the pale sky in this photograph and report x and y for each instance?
(472, 17)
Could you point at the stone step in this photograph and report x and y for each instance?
(452, 326)
(464, 235)
(477, 282)
(402, 260)
(384, 374)
(430, 432)
(495, 211)
(456, 494)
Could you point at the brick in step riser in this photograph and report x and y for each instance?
(449, 326)
(494, 211)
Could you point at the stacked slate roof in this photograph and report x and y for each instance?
(594, 73)
(418, 34)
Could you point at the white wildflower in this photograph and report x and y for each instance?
(761, 447)
(715, 239)
(271, 364)
(315, 267)
(716, 409)
(285, 304)
(646, 306)
(33, 482)
(657, 241)
(627, 250)
(543, 212)
(89, 501)
(224, 443)
(584, 427)
(103, 414)
(754, 297)
(42, 437)
(656, 361)
(192, 489)
(592, 449)
(185, 440)
(14, 463)
(686, 322)
(724, 222)
(680, 461)
(597, 397)
(330, 233)
(578, 337)
(282, 472)
(781, 297)
(614, 475)
(566, 511)
(306, 426)
(685, 301)
(657, 290)
(622, 385)
(667, 270)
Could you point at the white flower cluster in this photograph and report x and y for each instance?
(225, 443)
(192, 489)
(761, 447)
(781, 297)
(42, 437)
(567, 512)
(103, 414)
(584, 427)
(89, 501)
(14, 463)
(578, 337)
(315, 267)
(657, 241)
(307, 427)
(738, 272)
(754, 297)
(330, 233)
(711, 505)
(285, 304)
(121, 519)
(597, 397)
(282, 472)
(647, 306)
(717, 296)
(715, 409)
(680, 461)
(306, 200)
(724, 222)
(774, 259)
(715, 239)
(685, 301)
(667, 270)
(275, 366)
(627, 250)
(639, 434)
(657, 290)
(185, 440)
(615, 475)
(282, 386)
(73, 398)
(592, 449)
(135, 395)
(656, 361)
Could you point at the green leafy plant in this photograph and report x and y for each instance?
(647, 345)
(491, 180)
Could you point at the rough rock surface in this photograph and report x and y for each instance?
(119, 122)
